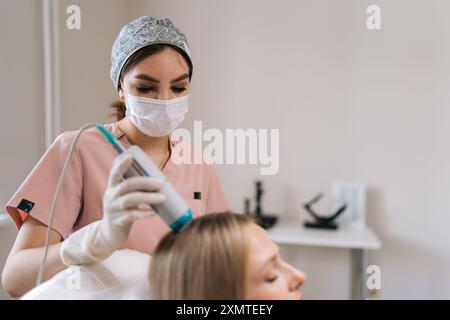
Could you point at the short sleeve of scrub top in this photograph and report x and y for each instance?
(85, 182)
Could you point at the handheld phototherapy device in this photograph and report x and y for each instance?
(174, 211)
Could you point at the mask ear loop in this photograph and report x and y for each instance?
(124, 97)
(123, 90)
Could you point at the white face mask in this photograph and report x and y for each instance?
(154, 117)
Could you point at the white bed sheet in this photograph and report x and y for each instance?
(122, 276)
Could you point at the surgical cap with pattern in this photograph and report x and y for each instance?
(140, 33)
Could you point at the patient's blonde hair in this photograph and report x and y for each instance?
(207, 259)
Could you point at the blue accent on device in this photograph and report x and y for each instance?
(185, 218)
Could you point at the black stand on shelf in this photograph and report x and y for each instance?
(319, 221)
(265, 221)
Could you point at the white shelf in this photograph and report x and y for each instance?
(292, 232)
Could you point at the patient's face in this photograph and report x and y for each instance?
(268, 276)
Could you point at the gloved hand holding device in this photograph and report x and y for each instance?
(121, 207)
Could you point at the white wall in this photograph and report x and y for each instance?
(22, 108)
(85, 55)
(86, 90)
(350, 104)
(21, 89)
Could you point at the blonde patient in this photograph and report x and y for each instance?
(222, 256)
(213, 257)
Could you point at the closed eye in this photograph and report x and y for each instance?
(272, 279)
(178, 90)
(144, 89)
(147, 89)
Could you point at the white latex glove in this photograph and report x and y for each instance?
(125, 201)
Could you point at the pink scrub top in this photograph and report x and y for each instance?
(85, 182)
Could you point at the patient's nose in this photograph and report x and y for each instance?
(297, 277)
